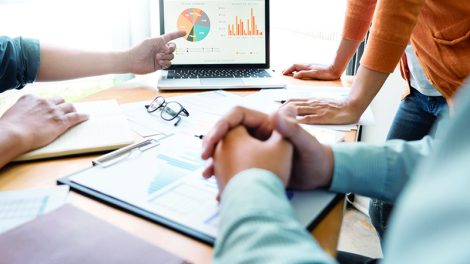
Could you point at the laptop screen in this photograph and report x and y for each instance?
(219, 32)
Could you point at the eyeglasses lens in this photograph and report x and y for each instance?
(155, 104)
(171, 110)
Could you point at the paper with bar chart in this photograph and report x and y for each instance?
(218, 32)
(165, 180)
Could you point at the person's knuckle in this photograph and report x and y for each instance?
(57, 117)
(71, 107)
(26, 97)
(310, 118)
(237, 109)
(42, 102)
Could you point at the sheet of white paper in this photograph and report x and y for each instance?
(18, 207)
(205, 109)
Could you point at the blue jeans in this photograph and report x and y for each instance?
(414, 119)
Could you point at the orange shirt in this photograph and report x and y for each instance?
(439, 31)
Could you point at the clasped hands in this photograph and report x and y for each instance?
(246, 139)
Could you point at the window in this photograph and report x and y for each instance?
(84, 24)
(305, 31)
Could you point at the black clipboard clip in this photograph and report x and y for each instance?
(122, 153)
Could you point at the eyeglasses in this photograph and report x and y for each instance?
(169, 110)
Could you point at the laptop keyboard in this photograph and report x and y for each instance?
(217, 73)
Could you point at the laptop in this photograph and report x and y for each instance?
(226, 46)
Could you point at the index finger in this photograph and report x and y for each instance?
(74, 118)
(173, 35)
(251, 119)
(295, 100)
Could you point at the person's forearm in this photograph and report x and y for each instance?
(377, 171)
(367, 83)
(62, 64)
(344, 53)
(356, 23)
(358, 19)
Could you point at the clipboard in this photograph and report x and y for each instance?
(137, 163)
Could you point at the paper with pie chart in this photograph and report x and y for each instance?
(195, 22)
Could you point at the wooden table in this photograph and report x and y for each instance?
(42, 174)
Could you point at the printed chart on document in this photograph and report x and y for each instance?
(172, 186)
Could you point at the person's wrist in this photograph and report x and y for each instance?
(327, 166)
(16, 137)
(355, 108)
(335, 70)
(122, 61)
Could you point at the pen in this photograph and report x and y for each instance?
(280, 101)
(199, 136)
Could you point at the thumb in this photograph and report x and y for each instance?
(279, 142)
(286, 123)
(171, 47)
(306, 74)
(288, 126)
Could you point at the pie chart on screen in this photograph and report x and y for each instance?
(196, 23)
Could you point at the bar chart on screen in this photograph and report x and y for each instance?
(244, 27)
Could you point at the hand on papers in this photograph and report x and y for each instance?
(153, 54)
(313, 71)
(36, 122)
(324, 111)
(239, 151)
(313, 162)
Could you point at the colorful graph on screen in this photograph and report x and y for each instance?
(244, 28)
(196, 23)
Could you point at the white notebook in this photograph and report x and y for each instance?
(106, 129)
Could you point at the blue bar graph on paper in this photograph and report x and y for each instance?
(160, 181)
(189, 165)
(42, 208)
